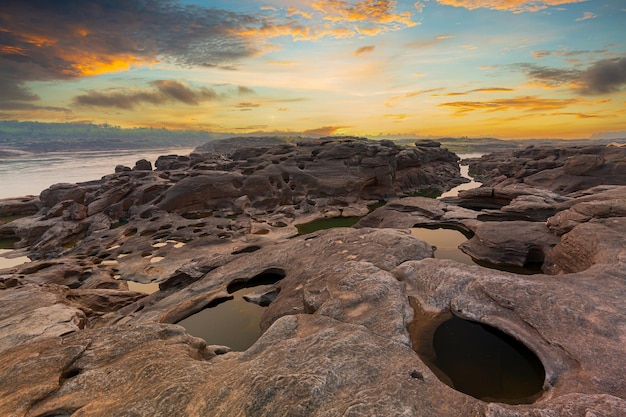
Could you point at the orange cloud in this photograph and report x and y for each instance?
(580, 115)
(287, 63)
(393, 100)
(292, 11)
(515, 6)
(325, 130)
(479, 90)
(12, 50)
(540, 54)
(491, 90)
(375, 11)
(430, 42)
(397, 117)
(527, 103)
(86, 65)
(364, 49)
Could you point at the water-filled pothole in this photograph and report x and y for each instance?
(326, 223)
(446, 241)
(234, 323)
(484, 362)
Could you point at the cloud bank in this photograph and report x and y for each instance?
(65, 39)
(164, 91)
(602, 77)
(515, 6)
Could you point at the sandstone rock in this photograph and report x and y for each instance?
(593, 204)
(142, 165)
(351, 312)
(559, 318)
(593, 242)
(22, 206)
(121, 168)
(61, 192)
(563, 170)
(515, 243)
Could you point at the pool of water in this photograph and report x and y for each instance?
(326, 223)
(486, 363)
(234, 323)
(446, 241)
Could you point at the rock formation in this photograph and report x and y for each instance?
(352, 311)
(563, 170)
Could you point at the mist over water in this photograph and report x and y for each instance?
(29, 174)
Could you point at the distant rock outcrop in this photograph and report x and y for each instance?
(562, 170)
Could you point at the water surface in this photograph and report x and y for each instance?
(234, 323)
(29, 174)
(446, 241)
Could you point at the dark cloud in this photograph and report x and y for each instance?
(247, 106)
(606, 76)
(164, 91)
(552, 77)
(43, 40)
(176, 91)
(602, 77)
(243, 90)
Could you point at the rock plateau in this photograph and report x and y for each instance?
(348, 330)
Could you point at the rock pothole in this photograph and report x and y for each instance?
(479, 360)
(235, 321)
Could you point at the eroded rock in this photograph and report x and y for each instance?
(351, 311)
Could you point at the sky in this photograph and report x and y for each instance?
(431, 68)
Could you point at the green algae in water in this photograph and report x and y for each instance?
(7, 243)
(326, 223)
(8, 219)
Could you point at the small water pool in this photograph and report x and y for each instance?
(446, 241)
(326, 223)
(235, 323)
(486, 363)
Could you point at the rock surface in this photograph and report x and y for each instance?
(562, 170)
(352, 311)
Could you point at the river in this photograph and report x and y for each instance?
(29, 174)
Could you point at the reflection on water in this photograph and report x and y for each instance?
(446, 241)
(29, 174)
(234, 323)
(486, 363)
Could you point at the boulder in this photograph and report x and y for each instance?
(514, 243)
(142, 165)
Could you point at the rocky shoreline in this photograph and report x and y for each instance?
(351, 311)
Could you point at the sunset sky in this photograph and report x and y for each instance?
(499, 68)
